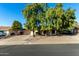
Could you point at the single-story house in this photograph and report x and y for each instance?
(19, 32)
(77, 26)
(5, 29)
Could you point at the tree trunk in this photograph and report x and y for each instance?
(50, 32)
(33, 33)
(46, 32)
(55, 32)
(42, 32)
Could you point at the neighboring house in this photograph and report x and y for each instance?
(8, 32)
(20, 32)
(77, 27)
(5, 29)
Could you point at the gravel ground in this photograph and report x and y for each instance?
(27, 39)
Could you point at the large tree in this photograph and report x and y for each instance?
(59, 14)
(50, 19)
(54, 18)
(43, 18)
(32, 13)
(70, 18)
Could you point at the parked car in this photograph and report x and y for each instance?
(2, 34)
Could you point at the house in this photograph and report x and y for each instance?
(19, 32)
(5, 29)
(77, 27)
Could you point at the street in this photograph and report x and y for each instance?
(40, 50)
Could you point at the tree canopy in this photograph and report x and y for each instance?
(40, 16)
(16, 25)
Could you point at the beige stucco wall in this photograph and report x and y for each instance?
(7, 33)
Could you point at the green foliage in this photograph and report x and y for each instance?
(33, 13)
(70, 18)
(16, 25)
(49, 18)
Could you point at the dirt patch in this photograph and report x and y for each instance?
(27, 39)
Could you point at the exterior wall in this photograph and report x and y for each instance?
(78, 30)
(7, 33)
(31, 33)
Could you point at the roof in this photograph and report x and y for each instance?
(5, 28)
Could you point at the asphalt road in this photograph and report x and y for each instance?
(40, 50)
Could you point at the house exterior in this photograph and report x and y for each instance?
(5, 29)
(19, 32)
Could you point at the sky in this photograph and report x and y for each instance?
(13, 11)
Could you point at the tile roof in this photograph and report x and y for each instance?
(4, 28)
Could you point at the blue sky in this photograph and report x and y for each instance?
(13, 11)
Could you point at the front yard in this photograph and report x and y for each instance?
(27, 39)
